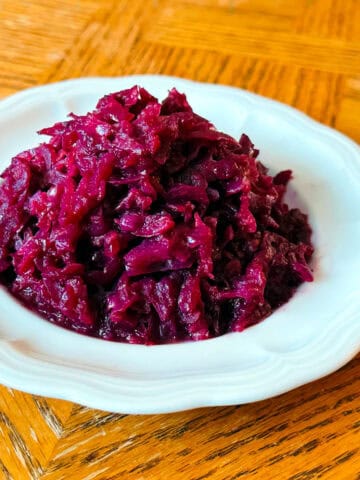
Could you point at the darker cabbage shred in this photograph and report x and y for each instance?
(140, 222)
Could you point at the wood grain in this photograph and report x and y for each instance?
(304, 53)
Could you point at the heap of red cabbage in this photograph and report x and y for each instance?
(140, 222)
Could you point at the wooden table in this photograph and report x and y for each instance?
(305, 53)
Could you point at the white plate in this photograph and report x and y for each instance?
(312, 335)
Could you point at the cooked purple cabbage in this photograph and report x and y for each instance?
(140, 222)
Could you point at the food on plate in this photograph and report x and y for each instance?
(140, 222)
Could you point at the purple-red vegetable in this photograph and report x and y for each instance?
(140, 222)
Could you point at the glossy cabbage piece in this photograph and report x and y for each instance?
(140, 222)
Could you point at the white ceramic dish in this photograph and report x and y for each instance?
(311, 336)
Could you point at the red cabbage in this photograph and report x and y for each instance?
(140, 222)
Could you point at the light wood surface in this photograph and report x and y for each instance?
(302, 52)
